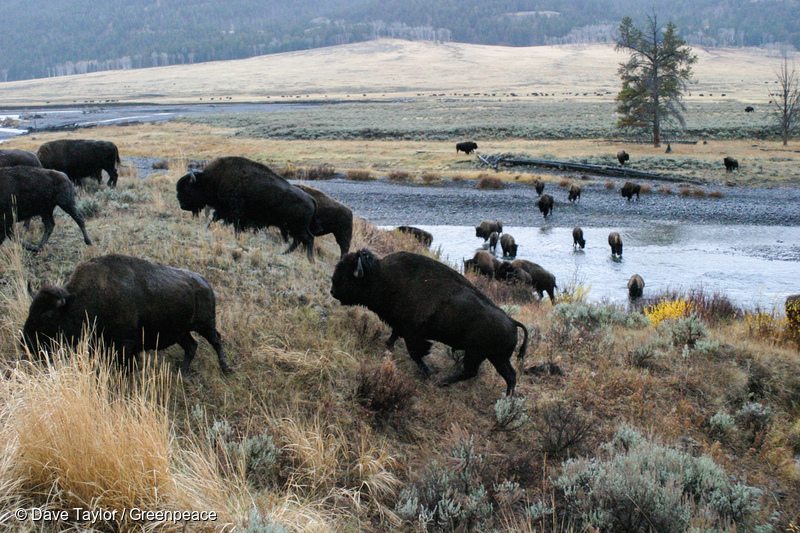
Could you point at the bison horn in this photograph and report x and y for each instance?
(359, 273)
(192, 177)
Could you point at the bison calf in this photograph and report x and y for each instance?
(333, 217)
(629, 189)
(467, 147)
(422, 236)
(26, 192)
(577, 238)
(251, 196)
(493, 238)
(622, 157)
(79, 158)
(545, 204)
(132, 304)
(615, 242)
(635, 287)
(508, 245)
(423, 300)
(731, 164)
(18, 158)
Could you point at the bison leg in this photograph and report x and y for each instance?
(285, 234)
(49, 224)
(112, 177)
(506, 370)
(212, 336)
(417, 349)
(471, 363)
(392, 339)
(189, 345)
(72, 211)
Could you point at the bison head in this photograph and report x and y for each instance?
(353, 276)
(190, 194)
(45, 316)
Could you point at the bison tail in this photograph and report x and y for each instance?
(524, 346)
(116, 155)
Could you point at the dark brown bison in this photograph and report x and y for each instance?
(749, 109)
(615, 242)
(539, 186)
(79, 158)
(731, 164)
(508, 245)
(530, 273)
(622, 157)
(422, 236)
(577, 238)
(545, 204)
(18, 158)
(485, 229)
(635, 287)
(26, 192)
(332, 217)
(629, 189)
(423, 300)
(483, 263)
(132, 304)
(467, 147)
(251, 196)
(574, 193)
(493, 238)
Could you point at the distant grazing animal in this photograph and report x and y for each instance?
(483, 263)
(574, 193)
(485, 229)
(80, 158)
(509, 245)
(493, 238)
(251, 196)
(577, 238)
(18, 158)
(539, 185)
(528, 272)
(467, 147)
(622, 157)
(615, 241)
(629, 189)
(749, 109)
(731, 164)
(133, 305)
(422, 236)
(635, 287)
(27, 192)
(423, 300)
(545, 204)
(332, 217)
(669, 149)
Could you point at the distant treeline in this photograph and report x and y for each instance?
(59, 37)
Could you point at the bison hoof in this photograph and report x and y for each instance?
(226, 370)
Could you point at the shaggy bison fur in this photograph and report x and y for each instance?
(530, 273)
(26, 192)
(615, 242)
(629, 189)
(18, 158)
(483, 263)
(251, 196)
(467, 147)
(493, 238)
(421, 235)
(574, 193)
(333, 217)
(539, 186)
(635, 287)
(545, 204)
(622, 157)
(423, 300)
(508, 245)
(485, 229)
(577, 238)
(731, 164)
(80, 158)
(132, 304)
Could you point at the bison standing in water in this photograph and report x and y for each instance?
(485, 229)
(251, 196)
(467, 147)
(26, 192)
(508, 245)
(615, 242)
(545, 204)
(422, 236)
(423, 300)
(132, 304)
(577, 238)
(79, 158)
(623, 157)
(635, 287)
(629, 189)
(493, 238)
(18, 158)
(731, 164)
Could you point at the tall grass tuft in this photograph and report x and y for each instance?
(489, 183)
(13, 294)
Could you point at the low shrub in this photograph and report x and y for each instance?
(765, 326)
(324, 171)
(429, 177)
(645, 188)
(399, 176)
(753, 418)
(721, 425)
(594, 316)
(685, 331)
(360, 175)
(716, 194)
(383, 389)
(564, 183)
(609, 184)
(510, 413)
(89, 207)
(490, 183)
(667, 310)
(160, 164)
(562, 428)
(665, 189)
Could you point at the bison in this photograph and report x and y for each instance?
(622, 157)
(493, 238)
(483, 263)
(131, 304)
(615, 242)
(422, 236)
(749, 109)
(251, 196)
(635, 287)
(79, 158)
(530, 273)
(18, 158)
(539, 186)
(467, 147)
(731, 164)
(545, 204)
(485, 229)
(332, 217)
(577, 238)
(508, 245)
(423, 300)
(27, 192)
(574, 193)
(629, 189)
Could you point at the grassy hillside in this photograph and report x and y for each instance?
(320, 428)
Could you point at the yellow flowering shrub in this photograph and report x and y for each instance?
(667, 310)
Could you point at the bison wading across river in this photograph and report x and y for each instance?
(423, 300)
(132, 304)
(251, 196)
(80, 158)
